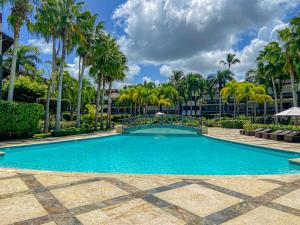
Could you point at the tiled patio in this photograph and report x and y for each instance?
(41, 197)
(35, 197)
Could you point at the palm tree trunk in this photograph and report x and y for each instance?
(195, 105)
(80, 79)
(246, 107)
(1, 56)
(13, 64)
(292, 75)
(275, 98)
(102, 102)
(220, 106)
(234, 108)
(60, 84)
(109, 105)
(97, 105)
(47, 110)
(281, 100)
(265, 111)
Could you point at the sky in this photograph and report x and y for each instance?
(159, 36)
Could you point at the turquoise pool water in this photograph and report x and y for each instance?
(148, 153)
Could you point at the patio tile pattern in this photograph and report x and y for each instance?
(82, 198)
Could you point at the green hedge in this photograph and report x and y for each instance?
(235, 124)
(71, 131)
(118, 117)
(19, 119)
(274, 127)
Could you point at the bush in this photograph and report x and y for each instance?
(211, 123)
(41, 136)
(19, 119)
(234, 124)
(71, 131)
(274, 127)
(118, 117)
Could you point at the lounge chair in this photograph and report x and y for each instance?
(280, 136)
(267, 135)
(293, 137)
(260, 133)
(252, 133)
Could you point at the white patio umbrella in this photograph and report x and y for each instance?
(160, 114)
(292, 112)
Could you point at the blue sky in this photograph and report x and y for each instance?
(159, 36)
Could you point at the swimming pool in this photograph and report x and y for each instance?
(149, 153)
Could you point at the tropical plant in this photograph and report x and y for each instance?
(230, 60)
(68, 12)
(87, 28)
(27, 60)
(20, 12)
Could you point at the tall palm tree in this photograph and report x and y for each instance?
(68, 13)
(287, 48)
(230, 60)
(86, 24)
(20, 12)
(268, 63)
(175, 80)
(221, 79)
(116, 73)
(46, 25)
(193, 83)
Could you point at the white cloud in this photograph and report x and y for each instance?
(193, 35)
(149, 79)
(133, 70)
(166, 71)
(45, 48)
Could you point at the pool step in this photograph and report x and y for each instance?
(2, 154)
(296, 161)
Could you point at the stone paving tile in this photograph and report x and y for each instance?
(85, 194)
(11, 186)
(198, 200)
(290, 199)
(52, 180)
(148, 183)
(134, 212)
(16, 209)
(265, 216)
(246, 185)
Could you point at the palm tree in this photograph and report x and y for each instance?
(68, 13)
(47, 26)
(221, 79)
(268, 63)
(193, 83)
(246, 92)
(175, 80)
(287, 48)
(231, 90)
(230, 60)
(27, 59)
(86, 24)
(116, 73)
(19, 15)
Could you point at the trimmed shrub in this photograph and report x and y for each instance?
(19, 119)
(234, 124)
(71, 131)
(118, 117)
(42, 136)
(274, 127)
